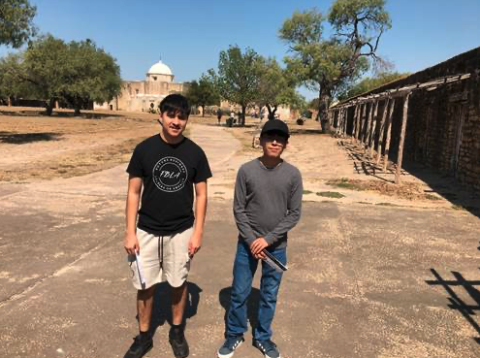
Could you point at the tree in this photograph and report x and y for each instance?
(329, 65)
(370, 83)
(16, 25)
(275, 87)
(12, 84)
(89, 75)
(238, 77)
(204, 92)
(44, 64)
(77, 73)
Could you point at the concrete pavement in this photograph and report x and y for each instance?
(363, 279)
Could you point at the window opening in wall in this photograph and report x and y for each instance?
(154, 78)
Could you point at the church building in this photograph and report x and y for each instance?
(142, 96)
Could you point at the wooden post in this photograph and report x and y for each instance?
(355, 115)
(371, 137)
(382, 130)
(345, 120)
(388, 128)
(359, 122)
(368, 124)
(401, 145)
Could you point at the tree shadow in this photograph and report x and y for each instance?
(252, 304)
(162, 305)
(24, 138)
(308, 131)
(456, 303)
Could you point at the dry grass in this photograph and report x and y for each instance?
(43, 148)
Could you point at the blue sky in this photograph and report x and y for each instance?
(189, 34)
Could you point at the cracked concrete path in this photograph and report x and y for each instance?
(363, 280)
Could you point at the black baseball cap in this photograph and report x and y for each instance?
(276, 125)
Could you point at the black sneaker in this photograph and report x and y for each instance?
(268, 348)
(179, 343)
(140, 347)
(227, 350)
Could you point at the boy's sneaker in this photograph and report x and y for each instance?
(179, 343)
(140, 347)
(268, 348)
(227, 350)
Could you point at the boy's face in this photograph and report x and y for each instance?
(173, 123)
(273, 144)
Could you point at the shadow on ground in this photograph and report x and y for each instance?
(461, 197)
(252, 304)
(162, 305)
(24, 138)
(467, 289)
(308, 131)
(35, 113)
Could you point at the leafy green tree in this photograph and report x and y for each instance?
(328, 65)
(77, 73)
(275, 87)
(370, 83)
(238, 77)
(204, 92)
(12, 83)
(44, 64)
(16, 25)
(89, 75)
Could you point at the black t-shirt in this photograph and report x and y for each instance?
(169, 173)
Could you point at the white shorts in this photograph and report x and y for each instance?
(162, 258)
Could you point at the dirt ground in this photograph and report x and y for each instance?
(371, 273)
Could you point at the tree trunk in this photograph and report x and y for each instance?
(323, 111)
(49, 107)
(242, 120)
(271, 112)
(203, 111)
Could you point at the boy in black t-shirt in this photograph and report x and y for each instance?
(171, 169)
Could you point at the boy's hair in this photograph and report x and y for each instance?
(175, 103)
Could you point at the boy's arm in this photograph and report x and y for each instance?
(239, 204)
(294, 211)
(195, 242)
(133, 200)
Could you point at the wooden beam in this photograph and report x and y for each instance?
(355, 121)
(381, 133)
(388, 128)
(368, 123)
(403, 133)
(371, 137)
(402, 91)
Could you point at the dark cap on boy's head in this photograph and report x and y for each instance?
(276, 126)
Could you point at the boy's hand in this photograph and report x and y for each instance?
(131, 243)
(257, 248)
(194, 244)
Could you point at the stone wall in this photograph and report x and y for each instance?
(443, 127)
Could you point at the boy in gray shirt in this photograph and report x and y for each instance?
(267, 204)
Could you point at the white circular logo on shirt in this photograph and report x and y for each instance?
(170, 174)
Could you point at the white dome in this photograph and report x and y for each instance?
(160, 69)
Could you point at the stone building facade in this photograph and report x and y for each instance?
(442, 121)
(141, 96)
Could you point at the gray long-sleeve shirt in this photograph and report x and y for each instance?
(267, 202)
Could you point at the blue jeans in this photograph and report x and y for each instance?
(243, 271)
